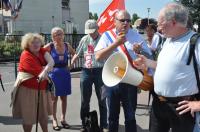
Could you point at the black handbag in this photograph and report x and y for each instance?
(91, 122)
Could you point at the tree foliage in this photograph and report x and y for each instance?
(134, 18)
(90, 15)
(93, 16)
(194, 9)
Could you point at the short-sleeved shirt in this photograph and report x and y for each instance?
(155, 41)
(173, 77)
(132, 37)
(86, 48)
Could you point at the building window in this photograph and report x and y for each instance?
(65, 4)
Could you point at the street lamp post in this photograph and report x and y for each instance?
(148, 10)
(53, 23)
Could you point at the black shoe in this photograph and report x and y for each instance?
(56, 128)
(65, 125)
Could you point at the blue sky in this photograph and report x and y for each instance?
(133, 6)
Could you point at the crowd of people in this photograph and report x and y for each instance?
(164, 53)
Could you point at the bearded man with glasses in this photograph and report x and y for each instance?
(110, 42)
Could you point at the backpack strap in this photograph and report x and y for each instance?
(193, 41)
(159, 46)
(160, 39)
(196, 73)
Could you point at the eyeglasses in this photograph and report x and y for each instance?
(124, 20)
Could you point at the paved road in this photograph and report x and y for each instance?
(7, 124)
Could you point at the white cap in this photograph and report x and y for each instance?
(90, 26)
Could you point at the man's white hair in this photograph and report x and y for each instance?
(176, 11)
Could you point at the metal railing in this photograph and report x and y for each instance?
(10, 48)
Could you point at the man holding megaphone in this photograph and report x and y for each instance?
(121, 39)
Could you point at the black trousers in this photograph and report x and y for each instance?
(164, 116)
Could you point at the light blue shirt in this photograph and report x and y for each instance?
(155, 40)
(173, 77)
(86, 49)
(132, 38)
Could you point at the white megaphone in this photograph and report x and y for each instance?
(117, 69)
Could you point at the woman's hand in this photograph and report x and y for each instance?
(43, 75)
(70, 67)
(186, 106)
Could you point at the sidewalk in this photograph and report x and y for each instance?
(7, 124)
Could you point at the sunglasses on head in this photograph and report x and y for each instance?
(58, 34)
(124, 20)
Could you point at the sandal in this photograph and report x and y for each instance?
(56, 128)
(65, 125)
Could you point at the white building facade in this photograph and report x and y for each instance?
(41, 15)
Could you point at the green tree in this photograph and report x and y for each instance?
(194, 9)
(95, 16)
(134, 18)
(90, 15)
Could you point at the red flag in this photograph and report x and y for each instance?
(106, 20)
